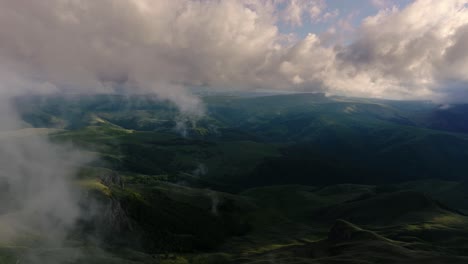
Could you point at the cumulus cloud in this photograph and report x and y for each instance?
(411, 52)
(143, 45)
(418, 52)
(296, 10)
(165, 46)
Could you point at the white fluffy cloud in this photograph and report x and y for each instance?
(296, 10)
(414, 52)
(166, 45)
(142, 44)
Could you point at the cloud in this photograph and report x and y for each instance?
(410, 52)
(296, 10)
(39, 203)
(166, 46)
(142, 45)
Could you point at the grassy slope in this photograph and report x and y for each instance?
(416, 221)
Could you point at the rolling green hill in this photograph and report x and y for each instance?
(296, 178)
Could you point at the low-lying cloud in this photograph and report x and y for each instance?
(39, 203)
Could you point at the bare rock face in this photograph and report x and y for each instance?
(116, 217)
(113, 215)
(111, 178)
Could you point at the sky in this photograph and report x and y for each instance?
(333, 12)
(396, 49)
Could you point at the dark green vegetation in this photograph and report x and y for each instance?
(297, 178)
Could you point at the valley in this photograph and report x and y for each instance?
(295, 178)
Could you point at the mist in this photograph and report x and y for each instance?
(39, 203)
